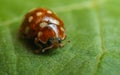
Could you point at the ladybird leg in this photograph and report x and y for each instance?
(37, 51)
(43, 50)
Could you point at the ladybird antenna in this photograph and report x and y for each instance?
(65, 42)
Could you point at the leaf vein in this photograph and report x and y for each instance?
(100, 56)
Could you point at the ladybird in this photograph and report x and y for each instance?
(44, 28)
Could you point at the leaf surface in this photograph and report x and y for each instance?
(91, 25)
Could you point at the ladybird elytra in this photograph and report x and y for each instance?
(43, 26)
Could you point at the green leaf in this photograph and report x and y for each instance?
(91, 25)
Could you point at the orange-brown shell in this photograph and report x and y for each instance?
(31, 26)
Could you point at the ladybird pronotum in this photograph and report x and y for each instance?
(44, 28)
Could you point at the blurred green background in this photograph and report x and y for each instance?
(91, 25)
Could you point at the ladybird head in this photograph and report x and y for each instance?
(54, 42)
(51, 43)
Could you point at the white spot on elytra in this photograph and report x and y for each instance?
(51, 20)
(39, 33)
(43, 24)
(62, 29)
(27, 29)
(50, 12)
(30, 19)
(39, 13)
